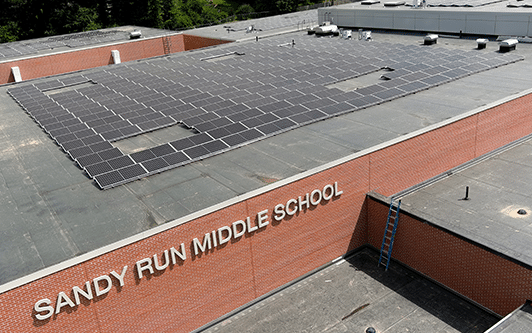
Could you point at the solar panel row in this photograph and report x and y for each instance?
(230, 102)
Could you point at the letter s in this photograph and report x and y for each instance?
(279, 212)
(39, 308)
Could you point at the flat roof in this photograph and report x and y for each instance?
(328, 300)
(75, 41)
(499, 188)
(519, 320)
(53, 212)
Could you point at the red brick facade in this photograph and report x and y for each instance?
(59, 63)
(201, 288)
(482, 276)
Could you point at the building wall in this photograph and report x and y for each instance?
(199, 289)
(482, 276)
(429, 20)
(75, 60)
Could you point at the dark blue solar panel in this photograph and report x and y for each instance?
(106, 180)
(196, 152)
(175, 158)
(155, 164)
(120, 162)
(182, 144)
(79, 152)
(215, 146)
(162, 150)
(238, 103)
(87, 160)
(142, 156)
(132, 172)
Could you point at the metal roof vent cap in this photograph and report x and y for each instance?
(135, 34)
(521, 212)
(430, 39)
(508, 45)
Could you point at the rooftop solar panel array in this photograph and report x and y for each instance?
(73, 40)
(264, 90)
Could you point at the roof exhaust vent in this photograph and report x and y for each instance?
(481, 43)
(508, 45)
(135, 34)
(430, 39)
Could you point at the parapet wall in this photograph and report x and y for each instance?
(463, 20)
(78, 59)
(188, 272)
(489, 279)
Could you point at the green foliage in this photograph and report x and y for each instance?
(9, 32)
(286, 6)
(25, 19)
(244, 10)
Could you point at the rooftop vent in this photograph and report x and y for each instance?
(508, 45)
(481, 43)
(135, 34)
(394, 3)
(430, 39)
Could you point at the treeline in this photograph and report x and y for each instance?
(26, 19)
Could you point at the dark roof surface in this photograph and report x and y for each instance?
(46, 45)
(331, 301)
(228, 97)
(53, 212)
(498, 188)
(518, 321)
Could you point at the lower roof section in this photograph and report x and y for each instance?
(353, 294)
(486, 202)
(518, 321)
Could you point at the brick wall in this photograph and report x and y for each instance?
(198, 290)
(482, 276)
(66, 62)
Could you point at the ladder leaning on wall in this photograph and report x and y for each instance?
(389, 234)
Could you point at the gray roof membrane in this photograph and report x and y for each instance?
(497, 189)
(264, 90)
(518, 321)
(53, 212)
(328, 300)
(61, 43)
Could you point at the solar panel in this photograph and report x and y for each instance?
(142, 156)
(162, 150)
(156, 164)
(120, 162)
(214, 146)
(196, 152)
(132, 172)
(238, 101)
(175, 158)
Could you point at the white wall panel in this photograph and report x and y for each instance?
(384, 20)
(452, 22)
(405, 20)
(427, 21)
(431, 20)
